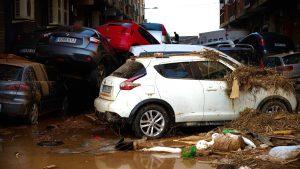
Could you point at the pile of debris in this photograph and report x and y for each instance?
(266, 123)
(250, 78)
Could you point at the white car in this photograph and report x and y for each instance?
(154, 93)
(144, 50)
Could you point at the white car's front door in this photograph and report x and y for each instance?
(178, 87)
(218, 106)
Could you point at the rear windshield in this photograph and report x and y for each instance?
(291, 59)
(10, 73)
(147, 36)
(83, 31)
(130, 69)
(152, 26)
(127, 25)
(278, 43)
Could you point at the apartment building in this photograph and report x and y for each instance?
(19, 16)
(263, 16)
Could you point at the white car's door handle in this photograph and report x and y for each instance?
(210, 89)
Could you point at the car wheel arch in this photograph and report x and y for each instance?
(280, 98)
(160, 102)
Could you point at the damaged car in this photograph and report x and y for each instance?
(152, 94)
(29, 89)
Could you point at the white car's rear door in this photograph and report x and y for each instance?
(176, 85)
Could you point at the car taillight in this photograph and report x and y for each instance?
(87, 58)
(164, 31)
(128, 84)
(261, 64)
(17, 87)
(285, 68)
(94, 40)
(262, 42)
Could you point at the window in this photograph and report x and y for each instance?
(210, 70)
(291, 59)
(273, 62)
(29, 75)
(147, 36)
(180, 70)
(130, 69)
(58, 12)
(10, 73)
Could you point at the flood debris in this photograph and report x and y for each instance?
(265, 123)
(50, 166)
(250, 78)
(285, 152)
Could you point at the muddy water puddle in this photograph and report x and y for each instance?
(83, 145)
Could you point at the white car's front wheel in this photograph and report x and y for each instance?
(274, 106)
(151, 121)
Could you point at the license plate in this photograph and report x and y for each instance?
(65, 40)
(27, 51)
(106, 89)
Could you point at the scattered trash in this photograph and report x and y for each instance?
(228, 142)
(244, 167)
(163, 149)
(285, 152)
(18, 155)
(283, 132)
(262, 138)
(189, 152)
(263, 146)
(91, 117)
(230, 131)
(50, 143)
(50, 166)
(249, 142)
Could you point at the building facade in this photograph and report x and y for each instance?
(21, 16)
(263, 16)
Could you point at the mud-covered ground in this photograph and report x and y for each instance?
(76, 143)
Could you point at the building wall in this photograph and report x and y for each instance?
(2, 27)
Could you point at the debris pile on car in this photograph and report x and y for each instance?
(249, 78)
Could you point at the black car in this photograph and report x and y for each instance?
(78, 52)
(266, 44)
(29, 89)
(25, 43)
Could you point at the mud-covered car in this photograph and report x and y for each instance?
(29, 89)
(79, 52)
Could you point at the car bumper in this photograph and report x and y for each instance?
(13, 108)
(112, 109)
(68, 55)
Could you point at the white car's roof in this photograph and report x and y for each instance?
(175, 48)
(137, 50)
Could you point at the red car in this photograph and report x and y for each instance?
(124, 34)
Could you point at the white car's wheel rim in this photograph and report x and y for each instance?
(152, 123)
(274, 109)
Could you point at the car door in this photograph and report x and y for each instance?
(217, 104)
(178, 87)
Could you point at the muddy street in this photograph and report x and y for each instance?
(77, 143)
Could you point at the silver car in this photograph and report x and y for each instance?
(288, 64)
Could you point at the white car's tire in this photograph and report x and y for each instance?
(273, 106)
(152, 121)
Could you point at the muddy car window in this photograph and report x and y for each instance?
(291, 59)
(130, 69)
(175, 70)
(10, 73)
(273, 62)
(212, 70)
(29, 75)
